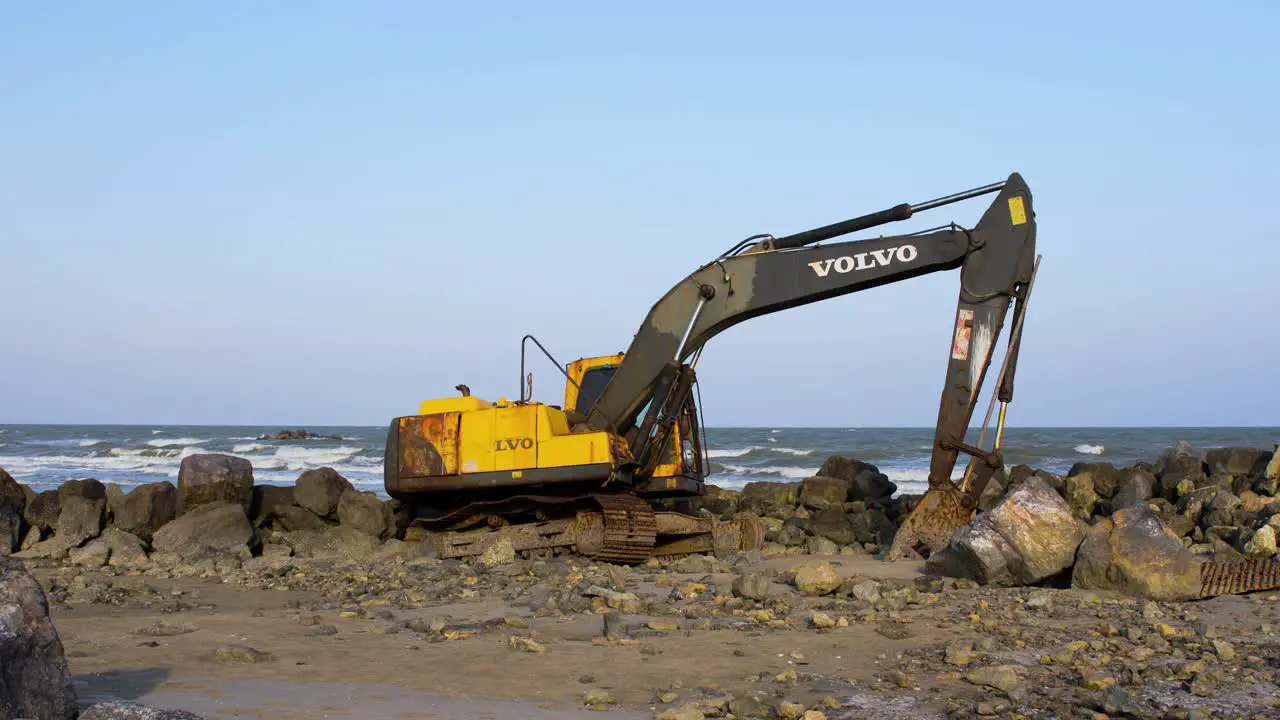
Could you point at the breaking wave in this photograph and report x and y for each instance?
(757, 450)
(1090, 449)
(176, 442)
(248, 448)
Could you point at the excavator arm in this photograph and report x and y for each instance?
(996, 261)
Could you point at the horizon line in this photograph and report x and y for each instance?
(304, 426)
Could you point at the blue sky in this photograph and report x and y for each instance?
(323, 212)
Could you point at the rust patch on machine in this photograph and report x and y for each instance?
(429, 445)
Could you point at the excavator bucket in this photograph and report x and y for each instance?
(944, 509)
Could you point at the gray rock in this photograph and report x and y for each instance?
(42, 511)
(35, 681)
(269, 501)
(293, 518)
(320, 490)
(125, 710)
(214, 478)
(1134, 485)
(80, 519)
(93, 554)
(87, 488)
(363, 511)
(1030, 536)
(752, 586)
(1237, 460)
(10, 525)
(126, 550)
(334, 542)
(207, 528)
(145, 509)
(1176, 465)
(1132, 552)
(840, 528)
(13, 490)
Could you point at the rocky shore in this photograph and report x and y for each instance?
(1079, 595)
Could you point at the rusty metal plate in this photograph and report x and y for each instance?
(429, 445)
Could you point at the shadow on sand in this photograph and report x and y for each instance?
(118, 684)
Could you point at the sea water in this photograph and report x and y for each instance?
(45, 455)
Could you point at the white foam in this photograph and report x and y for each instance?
(773, 439)
(794, 473)
(248, 448)
(739, 452)
(303, 458)
(792, 451)
(91, 443)
(1089, 449)
(732, 452)
(775, 431)
(175, 442)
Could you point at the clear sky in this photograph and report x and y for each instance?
(323, 212)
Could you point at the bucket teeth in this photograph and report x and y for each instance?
(932, 522)
(1232, 577)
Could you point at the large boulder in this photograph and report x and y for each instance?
(1237, 460)
(209, 528)
(337, 542)
(1081, 495)
(145, 509)
(841, 528)
(1273, 468)
(818, 493)
(10, 525)
(1135, 485)
(1132, 552)
(87, 488)
(1103, 476)
(865, 480)
(269, 501)
(363, 511)
(13, 490)
(214, 478)
(80, 519)
(1029, 537)
(765, 498)
(320, 490)
(1177, 465)
(43, 510)
(35, 681)
(292, 518)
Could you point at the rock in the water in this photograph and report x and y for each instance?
(207, 528)
(210, 478)
(269, 501)
(35, 681)
(42, 511)
(145, 509)
(297, 435)
(126, 710)
(1134, 553)
(320, 490)
(819, 493)
(80, 519)
(10, 525)
(817, 578)
(1030, 536)
(363, 511)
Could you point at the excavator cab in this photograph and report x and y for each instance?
(680, 467)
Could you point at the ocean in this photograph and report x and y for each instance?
(44, 456)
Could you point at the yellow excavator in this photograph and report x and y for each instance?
(588, 476)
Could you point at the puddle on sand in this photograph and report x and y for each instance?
(245, 699)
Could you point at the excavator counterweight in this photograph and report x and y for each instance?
(584, 475)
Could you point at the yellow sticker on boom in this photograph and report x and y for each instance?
(1016, 211)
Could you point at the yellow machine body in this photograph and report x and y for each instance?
(464, 443)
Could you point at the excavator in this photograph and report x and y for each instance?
(590, 476)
